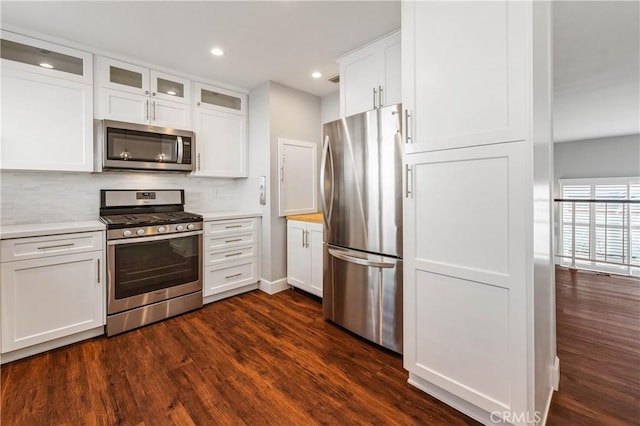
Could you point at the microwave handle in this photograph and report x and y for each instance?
(180, 149)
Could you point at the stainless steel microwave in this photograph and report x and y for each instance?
(129, 146)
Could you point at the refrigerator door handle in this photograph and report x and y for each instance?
(342, 255)
(326, 153)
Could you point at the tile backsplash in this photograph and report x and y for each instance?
(37, 197)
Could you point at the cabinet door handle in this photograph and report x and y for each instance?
(375, 91)
(233, 254)
(282, 173)
(98, 270)
(233, 226)
(232, 276)
(198, 161)
(233, 241)
(380, 96)
(56, 246)
(147, 109)
(408, 182)
(406, 126)
(307, 239)
(154, 110)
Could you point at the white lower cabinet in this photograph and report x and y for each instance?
(304, 256)
(230, 257)
(52, 287)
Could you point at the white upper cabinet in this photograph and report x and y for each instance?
(220, 125)
(137, 94)
(466, 63)
(370, 77)
(298, 188)
(47, 106)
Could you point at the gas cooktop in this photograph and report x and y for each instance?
(115, 221)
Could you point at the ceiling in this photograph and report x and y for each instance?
(596, 46)
(282, 41)
(596, 63)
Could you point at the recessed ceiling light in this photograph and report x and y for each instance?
(171, 92)
(316, 74)
(217, 51)
(46, 65)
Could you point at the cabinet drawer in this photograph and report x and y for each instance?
(225, 277)
(213, 258)
(229, 241)
(51, 245)
(221, 227)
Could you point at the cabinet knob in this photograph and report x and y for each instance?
(153, 94)
(198, 103)
(146, 92)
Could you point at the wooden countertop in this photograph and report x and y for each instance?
(311, 217)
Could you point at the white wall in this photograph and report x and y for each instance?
(604, 157)
(275, 111)
(293, 115)
(259, 164)
(330, 107)
(32, 197)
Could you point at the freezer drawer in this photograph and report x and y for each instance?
(363, 293)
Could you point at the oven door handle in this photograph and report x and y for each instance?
(153, 238)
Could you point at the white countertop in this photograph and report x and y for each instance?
(39, 229)
(229, 215)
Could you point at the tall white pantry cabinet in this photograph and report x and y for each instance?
(479, 325)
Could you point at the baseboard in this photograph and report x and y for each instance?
(234, 292)
(273, 287)
(547, 407)
(52, 344)
(452, 400)
(555, 374)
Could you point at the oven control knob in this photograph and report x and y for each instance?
(190, 226)
(140, 231)
(126, 233)
(162, 229)
(179, 227)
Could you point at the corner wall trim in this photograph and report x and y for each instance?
(273, 287)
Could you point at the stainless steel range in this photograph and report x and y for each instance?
(154, 257)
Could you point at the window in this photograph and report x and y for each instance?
(601, 233)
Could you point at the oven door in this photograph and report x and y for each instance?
(147, 270)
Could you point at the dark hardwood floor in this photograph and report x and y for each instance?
(259, 359)
(252, 359)
(598, 335)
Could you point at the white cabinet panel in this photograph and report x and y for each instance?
(298, 188)
(221, 143)
(467, 63)
(46, 123)
(229, 276)
(361, 78)
(170, 114)
(51, 245)
(471, 227)
(370, 77)
(45, 299)
(457, 318)
(304, 256)
(123, 106)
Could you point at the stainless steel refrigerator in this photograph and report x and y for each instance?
(361, 198)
